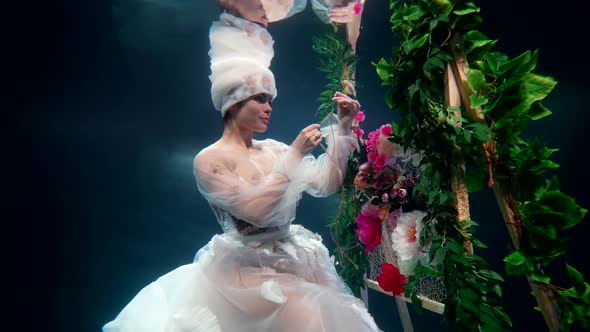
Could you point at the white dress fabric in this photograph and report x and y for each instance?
(263, 273)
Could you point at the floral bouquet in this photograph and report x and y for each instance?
(392, 211)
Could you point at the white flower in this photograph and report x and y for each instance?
(405, 241)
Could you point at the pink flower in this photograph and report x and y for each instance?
(380, 162)
(386, 130)
(372, 140)
(390, 279)
(359, 132)
(357, 8)
(399, 192)
(360, 117)
(369, 226)
(403, 193)
(372, 156)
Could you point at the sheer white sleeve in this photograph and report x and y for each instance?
(321, 176)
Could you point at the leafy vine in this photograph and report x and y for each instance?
(482, 136)
(507, 95)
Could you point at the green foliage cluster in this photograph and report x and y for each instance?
(415, 75)
(335, 56)
(509, 94)
(337, 63)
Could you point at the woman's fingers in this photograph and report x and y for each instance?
(312, 133)
(308, 139)
(310, 128)
(347, 103)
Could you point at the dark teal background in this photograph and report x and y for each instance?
(105, 133)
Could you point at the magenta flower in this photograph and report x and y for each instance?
(372, 156)
(357, 7)
(360, 117)
(386, 130)
(372, 141)
(369, 226)
(380, 162)
(359, 132)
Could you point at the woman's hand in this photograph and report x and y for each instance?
(308, 139)
(347, 110)
(342, 13)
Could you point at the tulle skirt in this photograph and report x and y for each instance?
(283, 281)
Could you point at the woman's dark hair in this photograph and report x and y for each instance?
(231, 111)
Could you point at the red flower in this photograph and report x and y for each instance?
(391, 280)
(369, 227)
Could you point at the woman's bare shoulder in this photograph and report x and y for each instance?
(213, 156)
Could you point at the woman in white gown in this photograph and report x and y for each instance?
(263, 273)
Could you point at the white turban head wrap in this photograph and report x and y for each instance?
(241, 52)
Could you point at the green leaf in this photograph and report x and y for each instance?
(415, 43)
(477, 243)
(384, 69)
(477, 100)
(460, 259)
(516, 258)
(455, 247)
(543, 166)
(553, 184)
(439, 6)
(520, 65)
(476, 79)
(389, 99)
(467, 135)
(436, 180)
(538, 111)
(433, 24)
(481, 131)
(492, 64)
(577, 280)
(540, 277)
(412, 89)
(558, 209)
(515, 264)
(466, 11)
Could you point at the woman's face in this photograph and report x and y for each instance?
(254, 114)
